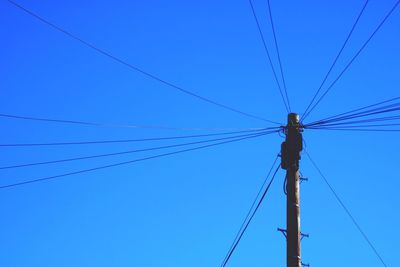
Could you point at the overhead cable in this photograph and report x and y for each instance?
(364, 114)
(248, 219)
(132, 67)
(131, 126)
(354, 130)
(268, 55)
(336, 58)
(131, 140)
(278, 54)
(356, 110)
(352, 59)
(252, 207)
(364, 235)
(369, 112)
(48, 178)
(129, 151)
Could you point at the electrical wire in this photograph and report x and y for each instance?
(356, 110)
(245, 224)
(268, 55)
(132, 67)
(366, 124)
(128, 152)
(363, 123)
(278, 54)
(350, 119)
(355, 126)
(356, 130)
(123, 163)
(368, 112)
(131, 126)
(131, 140)
(336, 58)
(351, 122)
(352, 60)
(346, 210)
(252, 205)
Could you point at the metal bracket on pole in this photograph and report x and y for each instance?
(305, 264)
(302, 178)
(304, 235)
(283, 231)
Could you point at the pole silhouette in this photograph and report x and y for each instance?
(290, 155)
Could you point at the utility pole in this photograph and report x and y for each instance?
(290, 155)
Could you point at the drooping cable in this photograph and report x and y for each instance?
(364, 235)
(385, 113)
(336, 58)
(268, 55)
(356, 130)
(360, 125)
(132, 140)
(367, 125)
(363, 123)
(363, 114)
(125, 162)
(132, 67)
(129, 151)
(352, 59)
(278, 54)
(249, 218)
(252, 206)
(386, 121)
(130, 126)
(341, 115)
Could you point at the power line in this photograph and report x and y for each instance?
(337, 57)
(355, 130)
(363, 108)
(130, 140)
(278, 53)
(346, 210)
(246, 225)
(124, 163)
(353, 112)
(129, 151)
(352, 60)
(48, 120)
(368, 114)
(268, 55)
(362, 123)
(131, 126)
(252, 207)
(351, 121)
(132, 67)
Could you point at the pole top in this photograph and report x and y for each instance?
(293, 119)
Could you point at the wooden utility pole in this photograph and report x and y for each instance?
(290, 153)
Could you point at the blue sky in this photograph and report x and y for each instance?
(184, 210)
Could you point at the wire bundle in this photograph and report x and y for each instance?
(383, 116)
(232, 137)
(312, 105)
(252, 211)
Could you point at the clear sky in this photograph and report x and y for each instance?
(184, 210)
